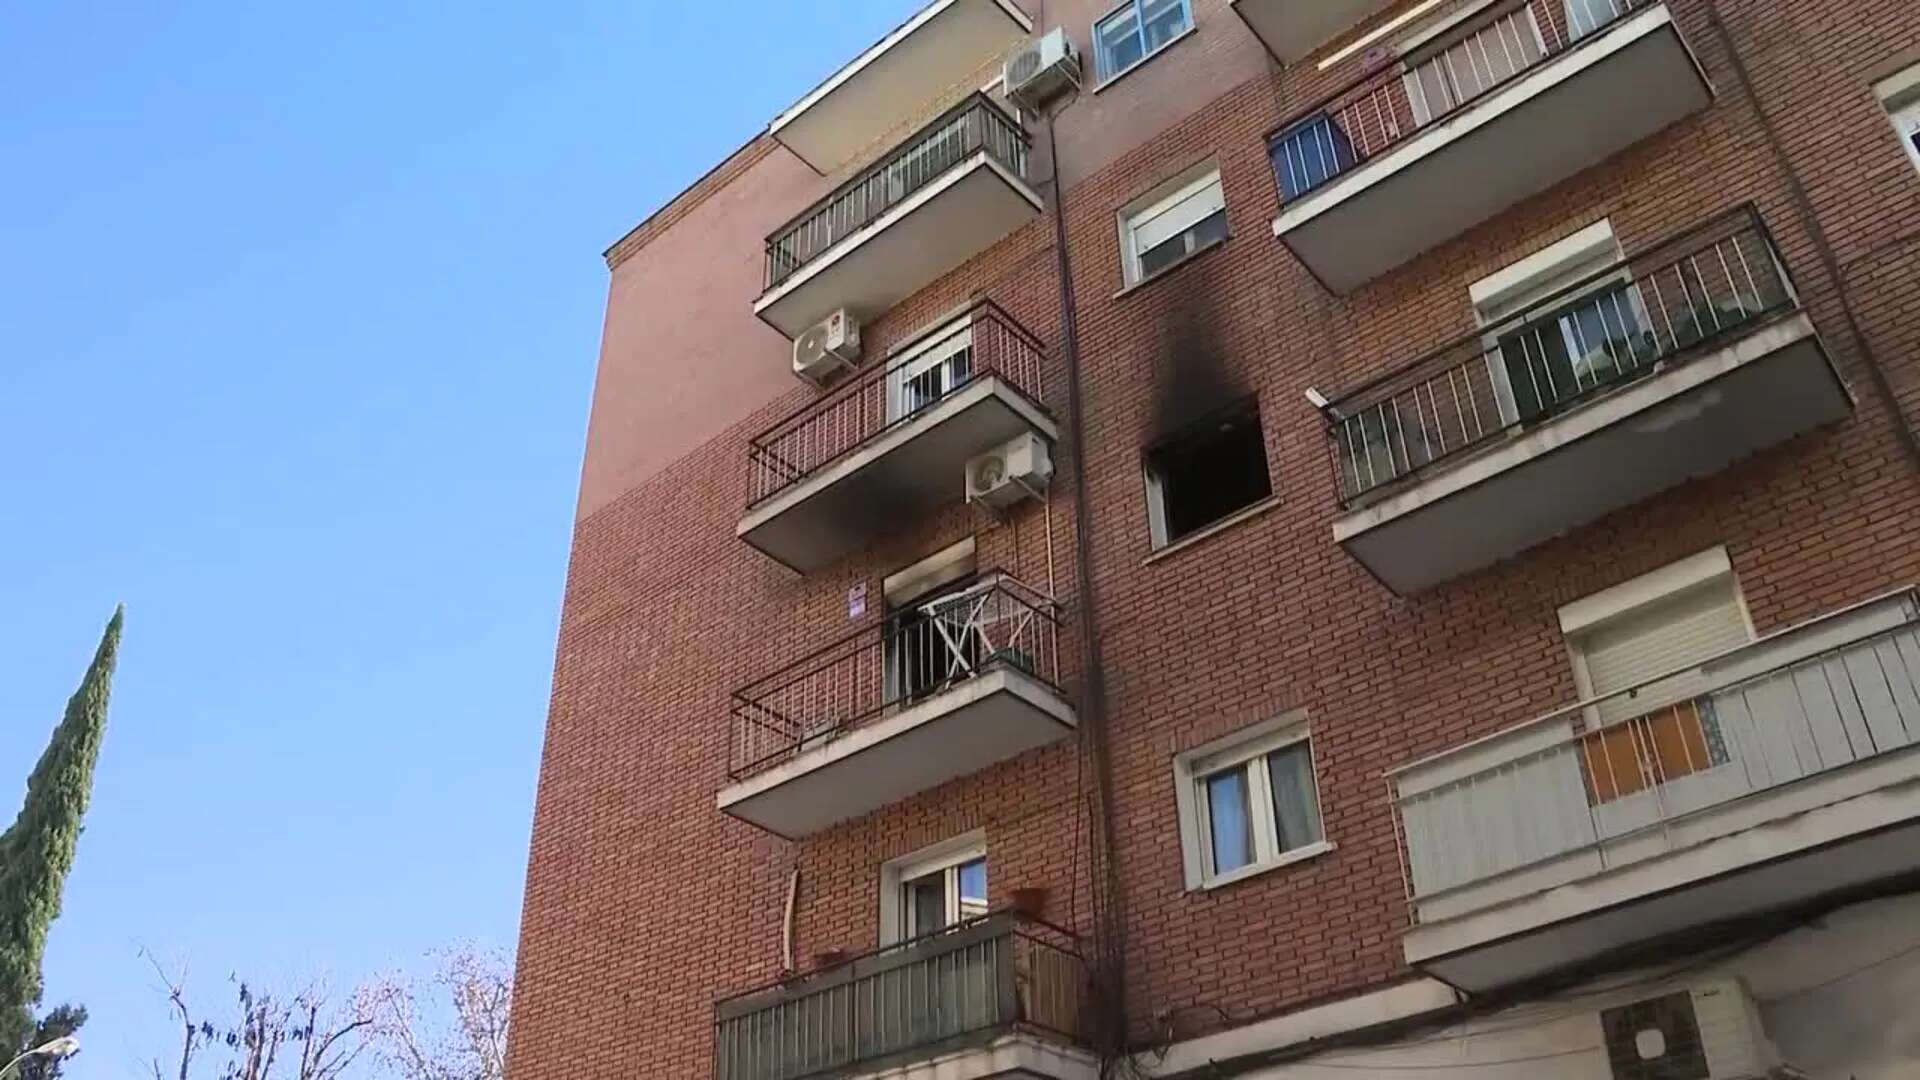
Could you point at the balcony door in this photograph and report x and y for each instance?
(930, 371)
(1661, 750)
(1474, 63)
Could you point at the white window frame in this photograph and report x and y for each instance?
(1588, 613)
(1103, 76)
(896, 873)
(1557, 266)
(1191, 770)
(934, 349)
(1162, 199)
(1426, 54)
(1900, 94)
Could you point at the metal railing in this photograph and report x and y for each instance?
(1603, 775)
(1389, 106)
(994, 973)
(977, 124)
(910, 656)
(925, 371)
(1718, 280)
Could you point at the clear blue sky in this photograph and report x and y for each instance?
(298, 318)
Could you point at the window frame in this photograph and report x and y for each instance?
(1161, 199)
(896, 912)
(1138, 9)
(1156, 497)
(1899, 95)
(1241, 750)
(936, 348)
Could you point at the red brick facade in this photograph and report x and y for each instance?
(644, 903)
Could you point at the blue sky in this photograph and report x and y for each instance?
(298, 317)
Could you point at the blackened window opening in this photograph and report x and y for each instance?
(1209, 470)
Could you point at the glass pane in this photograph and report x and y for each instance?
(1230, 817)
(1586, 16)
(1118, 41)
(1165, 20)
(1539, 371)
(1207, 230)
(927, 903)
(1309, 155)
(973, 888)
(1296, 807)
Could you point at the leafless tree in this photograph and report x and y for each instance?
(270, 1036)
(453, 1028)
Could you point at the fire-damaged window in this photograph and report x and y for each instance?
(1206, 471)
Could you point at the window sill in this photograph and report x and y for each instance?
(1170, 268)
(1176, 39)
(1238, 516)
(1301, 854)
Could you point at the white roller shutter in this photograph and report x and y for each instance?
(1672, 632)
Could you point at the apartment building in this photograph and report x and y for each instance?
(1188, 538)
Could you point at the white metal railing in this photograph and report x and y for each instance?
(1811, 700)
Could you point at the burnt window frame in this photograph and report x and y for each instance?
(1161, 538)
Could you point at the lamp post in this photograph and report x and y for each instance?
(64, 1046)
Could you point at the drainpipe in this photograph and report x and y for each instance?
(1809, 220)
(1108, 964)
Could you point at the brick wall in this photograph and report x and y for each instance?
(643, 903)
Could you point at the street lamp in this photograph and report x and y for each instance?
(64, 1046)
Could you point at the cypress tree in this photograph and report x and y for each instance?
(37, 851)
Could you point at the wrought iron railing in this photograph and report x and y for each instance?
(925, 371)
(1716, 281)
(997, 973)
(1596, 776)
(976, 125)
(912, 655)
(1385, 108)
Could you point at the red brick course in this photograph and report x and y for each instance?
(644, 903)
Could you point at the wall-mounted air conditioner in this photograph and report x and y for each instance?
(1018, 469)
(1712, 1031)
(1042, 70)
(832, 345)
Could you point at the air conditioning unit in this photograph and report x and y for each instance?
(1711, 1031)
(1042, 70)
(1019, 469)
(832, 345)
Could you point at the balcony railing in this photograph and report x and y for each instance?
(1387, 107)
(1826, 695)
(911, 656)
(995, 973)
(975, 125)
(1706, 286)
(926, 372)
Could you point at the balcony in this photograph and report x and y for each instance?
(1486, 115)
(1667, 366)
(942, 46)
(997, 997)
(892, 443)
(1759, 780)
(1290, 29)
(947, 193)
(933, 693)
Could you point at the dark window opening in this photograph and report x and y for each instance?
(1214, 468)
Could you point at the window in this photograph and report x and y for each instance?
(1595, 333)
(1136, 30)
(1171, 223)
(1666, 731)
(1441, 81)
(1901, 93)
(937, 365)
(930, 641)
(1248, 803)
(1309, 154)
(934, 888)
(1212, 469)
